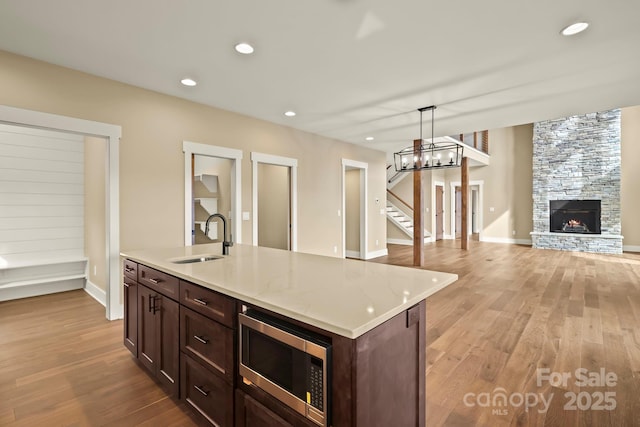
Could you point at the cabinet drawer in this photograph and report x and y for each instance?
(130, 269)
(207, 302)
(161, 282)
(209, 342)
(250, 412)
(207, 393)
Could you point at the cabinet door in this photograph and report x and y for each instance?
(209, 342)
(168, 318)
(130, 296)
(251, 413)
(208, 394)
(147, 329)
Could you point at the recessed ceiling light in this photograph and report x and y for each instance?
(576, 28)
(244, 48)
(369, 138)
(290, 113)
(188, 82)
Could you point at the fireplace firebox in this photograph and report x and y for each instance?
(574, 216)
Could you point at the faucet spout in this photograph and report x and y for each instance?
(226, 244)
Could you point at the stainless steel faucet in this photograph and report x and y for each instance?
(226, 244)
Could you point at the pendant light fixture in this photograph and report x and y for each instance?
(432, 155)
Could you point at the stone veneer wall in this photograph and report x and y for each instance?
(577, 158)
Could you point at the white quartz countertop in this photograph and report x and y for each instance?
(346, 297)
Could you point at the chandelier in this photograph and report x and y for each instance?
(431, 155)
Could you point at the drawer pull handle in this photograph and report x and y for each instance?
(201, 301)
(129, 269)
(126, 285)
(155, 281)
(202, 340)
(201, 390)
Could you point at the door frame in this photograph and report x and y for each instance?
(194, 148)
(112, 134)
(433, 210)
(480, 185)
(364, 168)
(292, 164)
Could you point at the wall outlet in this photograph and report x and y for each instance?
(491, 209)
(376, 242)
(338, 212)
(245, 216)
(335, 249)
(514, 232)
(381, 211)
(95, 270)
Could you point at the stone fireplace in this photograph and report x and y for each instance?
(576, 183)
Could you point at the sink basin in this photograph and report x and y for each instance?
(201, 258)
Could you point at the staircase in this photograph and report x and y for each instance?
(403, 221)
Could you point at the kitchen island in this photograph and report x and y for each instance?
(373, 316)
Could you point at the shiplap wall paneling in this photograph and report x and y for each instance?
(41, 196)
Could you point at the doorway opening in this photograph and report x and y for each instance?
(275, 201)
(354, 208)
(474, 213)
(211, 162)
(438, 210)
(111, 134)
(211, 194)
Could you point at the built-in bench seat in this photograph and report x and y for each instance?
(43, 276)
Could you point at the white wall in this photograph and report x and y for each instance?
(41, 195)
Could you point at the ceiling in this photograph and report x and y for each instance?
(350, 68)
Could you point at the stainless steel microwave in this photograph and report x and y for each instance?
(288, 362)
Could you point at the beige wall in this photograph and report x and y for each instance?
(273, 206)
(508, 184)
(94, 210)
(352, 209)
(630, 185)
(152, 163)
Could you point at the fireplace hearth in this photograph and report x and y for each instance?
(574, 216)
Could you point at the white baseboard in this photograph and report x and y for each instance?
(506, 240)
(378, 253)
(28, 289)
(97, 293)
(352, 254)
(629, 248)
(448, 237)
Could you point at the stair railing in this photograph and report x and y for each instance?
(395, 196)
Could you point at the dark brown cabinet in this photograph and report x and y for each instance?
(130, 298)
(251, 413)
(186, 336)
(158, 339)
(210, 395)
(207, 344)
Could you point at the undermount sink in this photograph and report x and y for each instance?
(201, 258)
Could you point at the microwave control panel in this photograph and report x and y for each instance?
(316, 385)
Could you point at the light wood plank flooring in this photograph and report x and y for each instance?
(63, 364)
(512, 311)
(516, 311)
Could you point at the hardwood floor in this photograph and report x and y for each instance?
(63, 364)
(513, 310)
(516, 311)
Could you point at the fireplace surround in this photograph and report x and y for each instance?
(577, 159)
